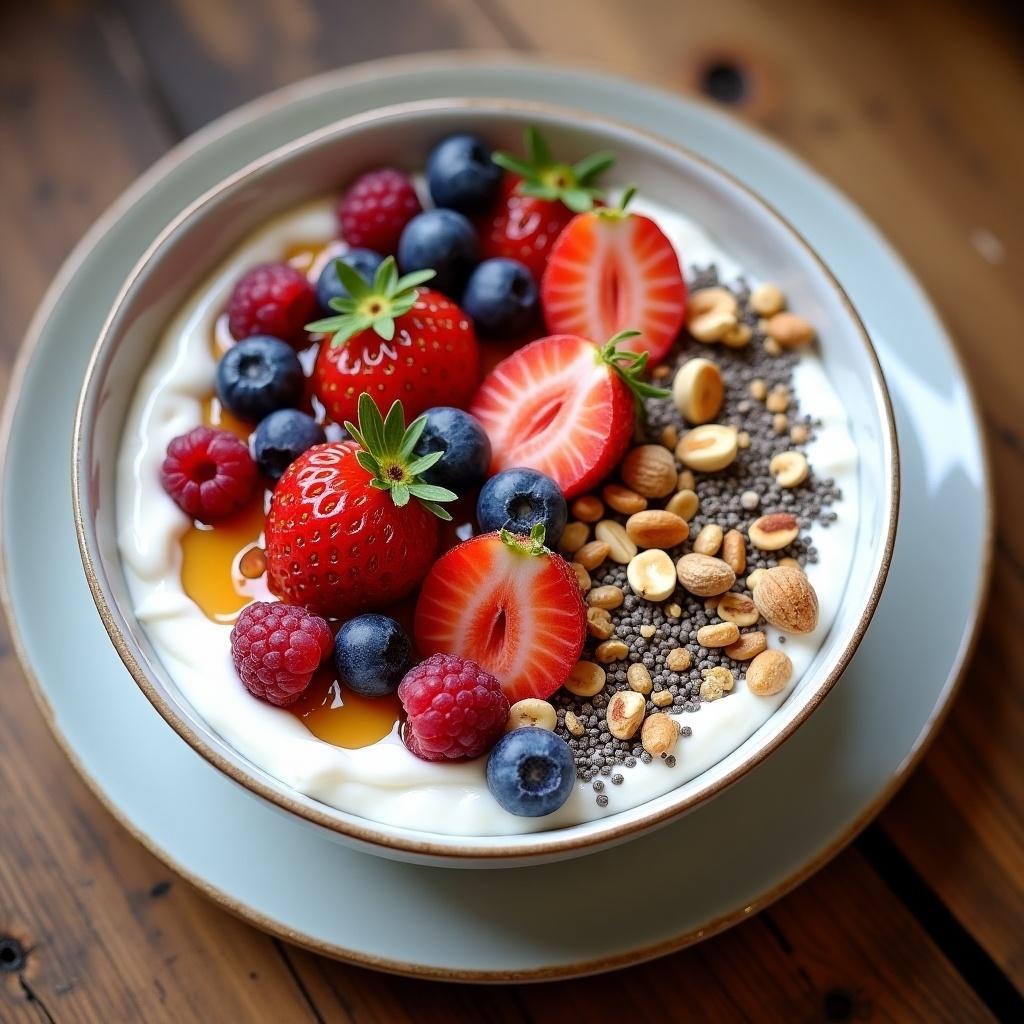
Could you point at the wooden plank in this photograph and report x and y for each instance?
(840, 948)
(238, 49)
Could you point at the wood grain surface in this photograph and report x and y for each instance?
(913, 109)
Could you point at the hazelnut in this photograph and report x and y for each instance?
(707, 449)
(651, 575)
(698, 390)
(703, 575)
(531, 711)
(774, 531)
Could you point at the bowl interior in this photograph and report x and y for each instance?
(207, 232)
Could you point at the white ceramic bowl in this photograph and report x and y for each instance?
(203, 234)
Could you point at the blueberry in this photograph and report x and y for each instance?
(502, 298)
(467, 450)
(282, 437)
(531, 771)
(440, 240)
(461, 174)
(328, 286)
(259, 375)
(371, 654)
(519, 499)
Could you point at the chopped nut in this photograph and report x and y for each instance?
(586, 679)
(767, 299)
(623, 500)
(780, 423)
(772, 347)
(588, 508)
(712, 327)
(591, 555)
(792, 563)
(720, 634)
(777, 400)
(573, 725)
(253, 563)
(709, 540)
(647, 631)
(639, 678)
(678, 660)
(717, 682)
(708, 448)
(673, 611)
(790, 469)
(660, 372)
(649, 470)
(531, 711)
(625, 713)
(605, 597)
(774, 531)
(738, 336)
(599, 623)
(768, 673)
(749, 645)
(737, 608)
(790, 330)
(703, 575)
(704, 300)
(683, 504)
(787, 600)
(734, 551)
(620, 548)
(657, 528)
(659, 734)
(758, 389)
(698, 390)
(651, 575)
(582, 576)
(662, 698)
(611, 650)
(742, 440)
(574, 536)
(669, 437)
(755, 577)
(799, 434)
(749, 500)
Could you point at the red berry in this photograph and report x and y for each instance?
(274, 299)
(456, 710)
(276, 649)
(374, 210)
(209, 473)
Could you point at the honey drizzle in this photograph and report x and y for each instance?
(336, 715)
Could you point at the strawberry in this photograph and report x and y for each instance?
(510, 605)
(395, 341)
(611, 270)
(343, 533)
(538, 198)
(564, 406)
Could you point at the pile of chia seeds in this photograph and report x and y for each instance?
(726, 499)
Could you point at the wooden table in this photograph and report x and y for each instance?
(913, 109)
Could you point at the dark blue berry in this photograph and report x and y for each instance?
(531, 771)
(461, 174)
(328, 286)
(519, 499)
(259, 375)
(467, 450)
(440, 240)
(371, 654)
(502, 298)
(282, 437)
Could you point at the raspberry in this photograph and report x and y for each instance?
(209, 473)
(276, 649)
(456, 710)
(274, 299)
(374, 210)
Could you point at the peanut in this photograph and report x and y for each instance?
(620, 548)
(588, 509)
(737, 608)
(698, 390)
(573, 725)
(709, 540)
(661, 699)
(605, 597)
(623, 500)
(767, 299)
(717, 682)
(755, 577)
(721, 634)
(790, 469)
(591, 555)
(639, 678)
(586, 679)
(531, 711)
(777, 400)
(734, 551)
(582, 576)
(679, 659)
(683, 504)
(611, 650)
(574, 536)
(656, 528)
(768, 673)
(790, 330)
(708, 448)
(758, 389)
(749, 645)
(599, 623)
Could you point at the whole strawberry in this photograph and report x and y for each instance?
(351, 525)
(394, 340)
(539, 196)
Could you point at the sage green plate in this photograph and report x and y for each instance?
(741, 850)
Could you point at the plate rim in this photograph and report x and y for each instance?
(338, 78)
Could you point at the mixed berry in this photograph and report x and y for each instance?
(516, 263)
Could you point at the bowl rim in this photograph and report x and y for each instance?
(437, 846)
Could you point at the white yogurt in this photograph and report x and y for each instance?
(384, 782)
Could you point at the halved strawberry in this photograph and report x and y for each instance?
(610, 270)
(564, 406)
(509, 604)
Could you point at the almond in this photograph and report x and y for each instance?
(620, 548)
(768, 673)
(659, 734)
(649, 470)
(734, 551)
(625, 713)
(656, 528)
(736, 608)
(774, 531)
(698, 390)
(623, 500)
(703, 575)
(786, 599)
(707, 449)
(651, 575)
(749, 645)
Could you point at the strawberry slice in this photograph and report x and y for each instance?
(564, 406)
(610, 270)
(509, 604)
